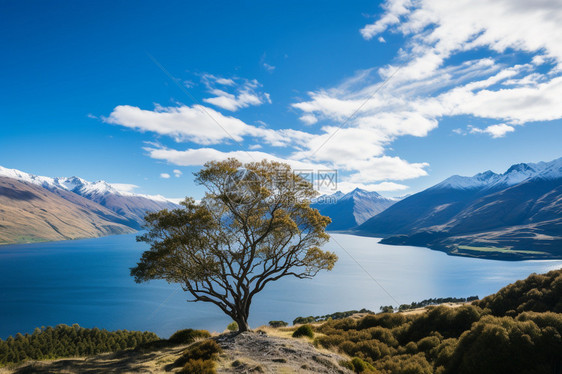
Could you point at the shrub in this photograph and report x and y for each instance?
(277, 324)
(199, 367)
(233, 326)
(304, 330)
(205, 350)
(188, 336)
(360, 366)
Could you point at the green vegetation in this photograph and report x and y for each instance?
(337, 315)
(277, 324)
(498, 249)
(538, 293)
(435, 301)
(199, 358)
(188, 336)
(304, 330)
(233, 326)
(517, 330)
(68, 341)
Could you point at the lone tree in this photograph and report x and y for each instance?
(254, 226)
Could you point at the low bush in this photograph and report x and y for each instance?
(205, 350)
(304, 330)
(276, 324)
(199, 367)
(188, 336)
(357, 365)
(233, 326)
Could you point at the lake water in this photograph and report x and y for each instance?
(87, 282)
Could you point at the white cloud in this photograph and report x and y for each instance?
(124, 187)
(309, 119)
(386, 167)
(495, 131)
(177, 173)
(378, 187)
(243, 92)
(225, 81)
(363, 175)
(199, 156)
(421, 87)
(198, 124)
(165, 175)
(268, 67)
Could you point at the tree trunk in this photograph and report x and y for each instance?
(242, 324)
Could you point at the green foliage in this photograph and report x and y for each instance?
(466, 339)
(277, 324)
(233, 326)
(537, 293)
(435, 301)
(254, 217)
(387, 309)
(506, 345)
(360, 366)
(188, 336)
(69, 341)
(304, 330)
(199, 367)
(337, 315)
(205, 350)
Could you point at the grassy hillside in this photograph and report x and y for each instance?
(516, 330)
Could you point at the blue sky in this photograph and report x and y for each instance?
(395, 95)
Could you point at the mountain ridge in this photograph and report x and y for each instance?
(514, 215)
(350, 209)
(37, 208)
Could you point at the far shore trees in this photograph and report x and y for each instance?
(254, 226)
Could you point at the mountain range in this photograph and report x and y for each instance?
(351, 209)
(514, 215)
(36, 208)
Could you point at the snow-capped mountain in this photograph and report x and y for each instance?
(351, 209)
(514, 175)
(130, 206)
(521, 208)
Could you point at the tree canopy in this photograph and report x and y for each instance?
(253, 226)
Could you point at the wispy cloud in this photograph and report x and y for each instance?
(234, 93)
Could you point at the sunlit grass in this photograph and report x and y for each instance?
(498, 249)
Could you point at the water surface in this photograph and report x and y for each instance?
(88, 282)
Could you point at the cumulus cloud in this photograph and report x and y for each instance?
(199, 156)
(495, 131)
(198, 124)
(177, 173)
(309, 119)
(165, 175)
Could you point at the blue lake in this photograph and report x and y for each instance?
(87, 282)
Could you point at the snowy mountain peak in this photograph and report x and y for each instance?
(73, 184)
(514, 175)
(360, 192)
